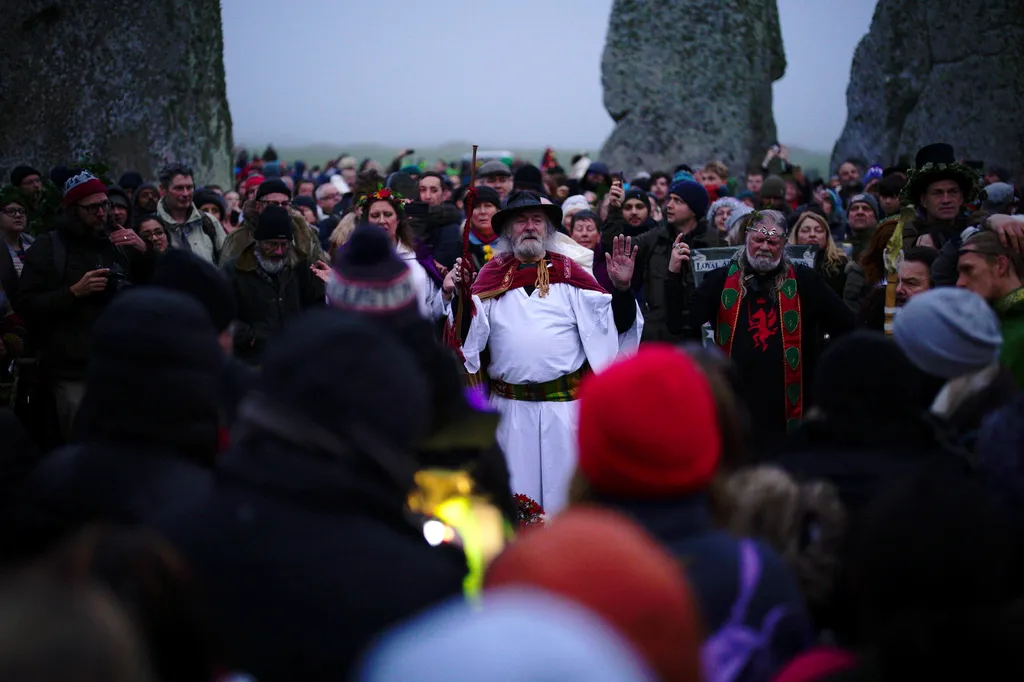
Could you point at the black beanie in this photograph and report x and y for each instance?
(370, 278)
(529, 177)
(637, 193)
(274, 223)
(374, 383)
(159, 344)
(272, 186)
(488, 195)
(208, 196)
(19, 174)
(308, 202)
(130, 181)
(187, 273)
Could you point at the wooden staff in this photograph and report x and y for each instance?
(464, 285)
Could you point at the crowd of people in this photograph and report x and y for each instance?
(433, 421)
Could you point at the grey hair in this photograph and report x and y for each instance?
(503, 245)
(768, 218)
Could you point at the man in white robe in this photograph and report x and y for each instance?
(545, 323)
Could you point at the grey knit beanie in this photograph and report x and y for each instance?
(948, 332)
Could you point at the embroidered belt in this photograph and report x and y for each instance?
(560, 390)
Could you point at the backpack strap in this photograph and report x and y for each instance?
(211, 231)
(750, 575)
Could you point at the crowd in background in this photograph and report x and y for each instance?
(238, 443)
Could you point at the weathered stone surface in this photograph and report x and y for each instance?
(129, 83)
(690, 81)
(938, 72)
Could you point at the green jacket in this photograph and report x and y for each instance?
(1011, 316)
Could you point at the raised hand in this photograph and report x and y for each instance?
(680, 254)
(621, 261)
(321, 270)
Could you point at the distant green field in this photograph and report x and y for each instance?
(318, 154)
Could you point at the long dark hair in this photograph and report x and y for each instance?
(871, 260)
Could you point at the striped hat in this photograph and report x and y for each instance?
(369, 277)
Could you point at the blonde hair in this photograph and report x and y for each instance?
(835, 259)
(718, 168)
(803, 522)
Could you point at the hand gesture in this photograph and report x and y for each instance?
(784, 152)
(680, 255)
(321, 270)
(1010, 231)
(92, 282)
(454, 278)
(621, 261)
(616, 193)
(123, 237)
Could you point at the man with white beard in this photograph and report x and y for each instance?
(539, 324)
(770, 316)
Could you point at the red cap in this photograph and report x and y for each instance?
(254, 181)
(610, 565)
(81, 186)
(648, 426)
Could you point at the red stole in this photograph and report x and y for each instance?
(503, 274)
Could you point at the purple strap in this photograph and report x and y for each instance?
(425, 256)
(750, 574)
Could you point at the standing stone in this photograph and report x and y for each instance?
(130, 84)
(690, 81)
(938, 72)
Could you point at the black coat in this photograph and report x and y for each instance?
(822, 313)
(267, 302)
(98, 483)
(307, 560)
(61, 325)
(654, 251)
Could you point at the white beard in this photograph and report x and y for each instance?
(528, 249)
(271, 266)
(763, 264)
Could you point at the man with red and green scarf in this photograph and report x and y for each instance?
(768, 315)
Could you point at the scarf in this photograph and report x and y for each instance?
(790, 316)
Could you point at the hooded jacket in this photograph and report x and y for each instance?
(194, 234)
(305, 238)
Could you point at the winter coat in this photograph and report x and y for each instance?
(60, 324)
(100, 482)
(306, 560)
(194, 234)
(655, 247)
(712, 561)
(441, 230)
(266, 302)
(305, 238)
(856, 289)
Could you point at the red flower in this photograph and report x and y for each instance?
(384, 194)
(529, 513)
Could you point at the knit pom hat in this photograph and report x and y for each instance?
(608, 564)
(693, 195)
(648, 426)
(370, 278)
(576, 202)
(274, 223)
(183, 271)
(948, 332)
(80, 186)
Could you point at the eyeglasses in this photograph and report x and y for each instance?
(15, 212)
(283, 204)
(95, 208)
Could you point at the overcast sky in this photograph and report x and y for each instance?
(423, 73)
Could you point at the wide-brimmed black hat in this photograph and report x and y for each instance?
(524, 201)
(935, 162)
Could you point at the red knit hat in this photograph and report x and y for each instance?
(610, 565)
(253, 181)
(648, 426)
(80, 186)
